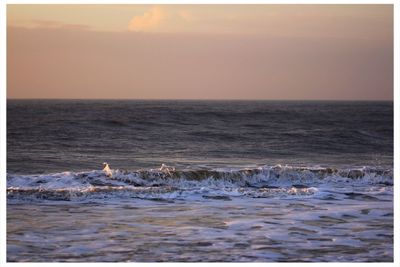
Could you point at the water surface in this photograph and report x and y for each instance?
(267, 181)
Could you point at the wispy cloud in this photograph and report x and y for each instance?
(149, 20)
(49, 24)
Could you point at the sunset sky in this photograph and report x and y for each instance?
(200, 51)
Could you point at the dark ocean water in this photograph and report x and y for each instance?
(267, 181)
(53, 136)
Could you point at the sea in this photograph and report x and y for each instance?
(199, 181)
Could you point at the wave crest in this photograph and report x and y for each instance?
(170, 183)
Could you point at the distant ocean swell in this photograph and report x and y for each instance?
(168, 183)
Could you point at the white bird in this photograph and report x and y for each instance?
(163, 167)
(166, 169)
(107, 169)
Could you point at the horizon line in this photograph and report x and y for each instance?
(203, 99)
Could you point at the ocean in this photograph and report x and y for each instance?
(230, 181)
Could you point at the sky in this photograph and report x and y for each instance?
(293, 52)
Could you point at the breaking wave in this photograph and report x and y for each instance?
(168, 183)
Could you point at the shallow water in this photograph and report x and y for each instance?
(229, 229)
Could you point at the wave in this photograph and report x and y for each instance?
(171, 183)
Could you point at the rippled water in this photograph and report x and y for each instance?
(242, 181)
(75, 135)
(325, 227)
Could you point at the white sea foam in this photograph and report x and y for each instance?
(169, 183)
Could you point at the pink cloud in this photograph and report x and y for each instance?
(148, 20)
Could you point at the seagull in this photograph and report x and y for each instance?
(107, 169)
(166, 169)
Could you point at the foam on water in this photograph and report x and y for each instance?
(171, 183)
